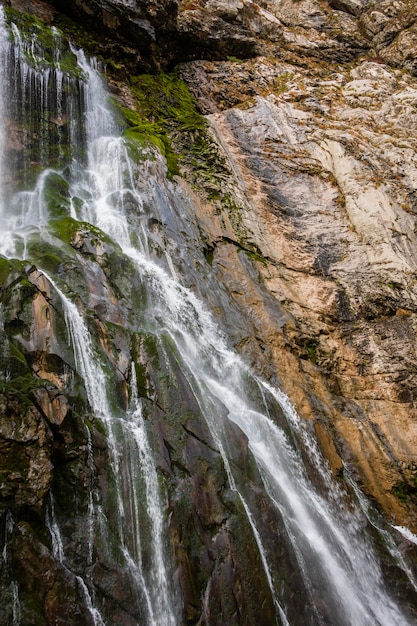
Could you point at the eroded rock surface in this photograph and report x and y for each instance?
(325, 160)
(162, 33)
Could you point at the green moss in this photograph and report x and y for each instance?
(281, 82)
(167, 116)
(82, 37)
(4, 269)
(44, 254)
(143, 344)
(165, 108)
(401, 491)
(145, 133)
(9, 269)
(16, 285)
(255, 256)
(209, 255)
(21, 388)
(13, 361)
(311, 348)
(98, 425)
(67, 228)
(45, 43)
(56, 195)
(166, 99)
(405, 490)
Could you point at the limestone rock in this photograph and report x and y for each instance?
(327, 163)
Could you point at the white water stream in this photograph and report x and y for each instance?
(131, 461)
(4, 47)
(336, 556)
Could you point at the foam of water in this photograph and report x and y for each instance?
(407, 533)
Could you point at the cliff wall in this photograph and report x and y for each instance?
(312, 104)
(298, 163)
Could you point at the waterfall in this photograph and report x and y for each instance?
(24, 73)
(132, 462)
(3, 65)
(13, 588)
(330, 549)
(336, 556)
(58, 552)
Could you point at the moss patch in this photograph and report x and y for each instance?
(67, 228)
(165, 99)
(406, 490)
(56, 195)
(21, 387)
(167, 116)
(45, 46)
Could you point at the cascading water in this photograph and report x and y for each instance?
(3, 48)
(132, 463)
(327, 536)
(27, 216)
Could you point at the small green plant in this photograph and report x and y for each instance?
(404, 490)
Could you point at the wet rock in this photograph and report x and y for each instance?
(43, 585)
(25, 456)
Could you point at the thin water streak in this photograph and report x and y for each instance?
(156, 590)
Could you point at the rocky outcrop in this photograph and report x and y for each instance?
(321, 160)
(42, 440)
(140, 36)
(330, 189)
(50, 443)
(157, 35)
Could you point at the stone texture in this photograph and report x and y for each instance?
(326, 163)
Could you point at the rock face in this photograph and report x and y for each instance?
(323, 156)
(165, 32)
(300, 236)
(329, 186)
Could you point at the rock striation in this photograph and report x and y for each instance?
(321, 157)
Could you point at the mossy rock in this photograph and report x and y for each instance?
(167, 116)
(56, 195)
(10, 271)
(165, 99)
(45, 41)
(165, 107)
(12, 362)
(44, 254)
(143, 135)
(66, 228)
(22, 386)
(15, 297)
